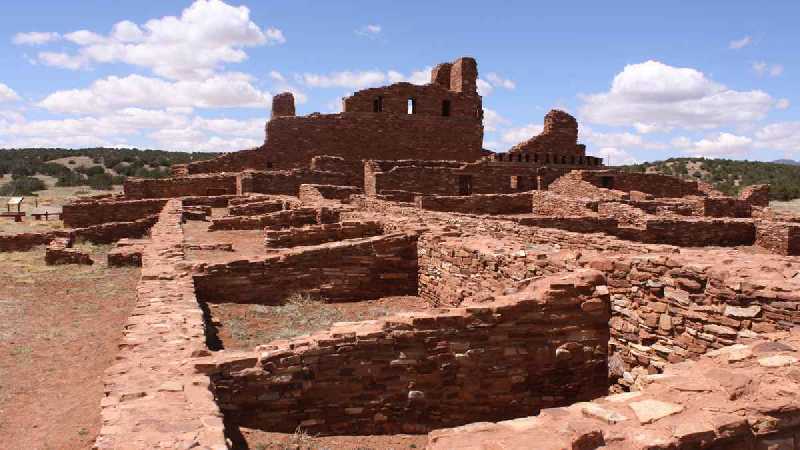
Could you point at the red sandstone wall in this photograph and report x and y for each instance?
(320, 234)
(692, 232)
(86, 213)
(657, 185)
(417, 372)
(276, 220)
(478, 204)
(353, 270)
(782, 238)
(548, 203)
(197, 185)
(288, 182)
(311, 193)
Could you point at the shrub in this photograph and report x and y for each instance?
(101, 181)
(22, 186)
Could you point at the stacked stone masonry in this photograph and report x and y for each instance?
(289, 218)
(411, 373)
(320, 234)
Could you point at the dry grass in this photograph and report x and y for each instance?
(792, 206)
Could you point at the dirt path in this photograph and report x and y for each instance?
(59, 329)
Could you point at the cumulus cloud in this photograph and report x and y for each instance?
(613, 156)
(783, 103)
(208, 34)
(35, 38)
(740, 43)
(492, 120)
(762, 68)
(7, 94)
(361, 79)
(172, 129)
(219, 91)
(653, 95)
(517, 135)
(498, 81)
(780, 136)
(716, 146)
(369, 30)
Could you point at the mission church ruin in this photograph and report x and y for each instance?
(564, 303)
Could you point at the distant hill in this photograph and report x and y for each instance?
(790, 162)
(99, 168)
(729, 176)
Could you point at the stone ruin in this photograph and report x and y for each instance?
(567, 304)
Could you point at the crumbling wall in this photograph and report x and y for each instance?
(478, 204)
(84, 213)
(726, 207)
(280, 219)
(548, 203)
(106, 233)
(692, 232)
(420, 371)
(559, 137)
(257, 208)
(339, 271)
(756, 195)
(625, 214)
(237, 161)
(742, 397)
(320, 234)
(23, 242)
(352, 169)
(311, 193)
(195, 185)
(288, 182)
(782, 238)
(574, 185)
(655, 184)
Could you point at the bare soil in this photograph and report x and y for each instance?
(242, 326)
(261, 440)
(59, 329)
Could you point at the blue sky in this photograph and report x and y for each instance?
(646, 80)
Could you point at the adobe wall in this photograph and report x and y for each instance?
(740, 398)
(280, 219)
(351, 270)
(320, 234)
(84, 213)
(478, 204)
(153, 396)
(782, 238)
(419, 371)
(195, 185)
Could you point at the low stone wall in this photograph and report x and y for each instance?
(81, 214)
(59, 251)
(670, 308)
(277, 220)
(419, 371)
(194, 185)
(320, 234)
(547, 203)
(478, 204)
(107, 233)
(26, 241)
(127, 252)
(782, 238)
(741, 397)
(626, 215)
(350, 270)
(257, 208)
(726, 207)
(692, 232)
(153, 396)
(456, 270)
(579, 224)
(214, 201)
(288, 182)
(318, 192)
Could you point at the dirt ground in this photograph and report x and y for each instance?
(242, 327)
(59, 329)
(261, 440)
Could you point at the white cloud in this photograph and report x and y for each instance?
(616, 156)
(7, 94)
(783, 103)
(716, 146)
(347, 79)
(780, 136)
(369, 30)
(35, 38)
(654, 95)
(740, 43)
(492, 120)
(484, 87)
(762, 68)
(499, 81)
(207, 34)
(517, 135)
(62, 60)
(219, 91)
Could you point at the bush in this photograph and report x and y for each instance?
(71, 179)
(22, 186)
(102, 181)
